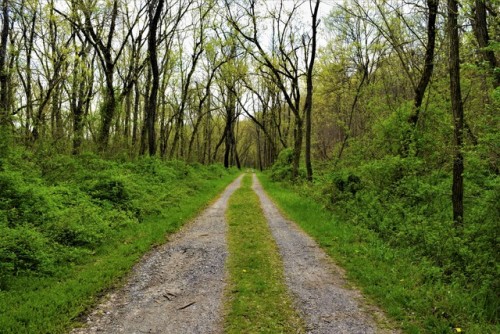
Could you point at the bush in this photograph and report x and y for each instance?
(282, 167)
(21, 203)
(61, 209)
(409, 207)
(24, 249)
(110, 190)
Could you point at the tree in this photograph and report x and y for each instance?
(282, 63)
(155, 10)
(480, 26)
(432, 7)
(93, 26)
(356, 55)
(4, 82)
(310, 57)
(458, 113)
(199, 37)
(4, 71)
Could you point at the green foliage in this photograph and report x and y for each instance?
(70, 226)
(110, 190)
(23, 249)
(409, 208)
(394, 181)
(282, 167)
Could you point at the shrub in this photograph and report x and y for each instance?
(21, 203)
(282, 167)
(110, 190)
(24, 249)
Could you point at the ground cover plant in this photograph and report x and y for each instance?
(71, 227)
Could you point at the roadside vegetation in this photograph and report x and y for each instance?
(257, 297)
(71, 227)
(405, 257)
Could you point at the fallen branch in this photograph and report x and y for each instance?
(186, 306)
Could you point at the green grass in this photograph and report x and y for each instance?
(397, 280)
(158, 198)
(258, 301)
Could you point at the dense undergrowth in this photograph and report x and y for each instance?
(397, 195)
(71, 226)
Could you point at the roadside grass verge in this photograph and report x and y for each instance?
(257, 297)
(405, 285)
(71, 228)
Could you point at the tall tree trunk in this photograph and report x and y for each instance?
(480, 26)
(228, 143)
(77, 111)
(163, 133)
(297, 146)
(4, 72)
(128, 108)
(458, 113)
(144, 129)
(4, 83)
(432, 6)
(154, 13)
(309, 91)
(135, 118)
(108, 109)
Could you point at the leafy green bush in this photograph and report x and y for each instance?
(110, 190)
(24, 249)
(20, 202)
(282, 167)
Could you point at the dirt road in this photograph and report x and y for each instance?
(179, 287)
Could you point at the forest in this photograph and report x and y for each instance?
(385, 113)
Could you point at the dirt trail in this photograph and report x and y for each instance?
(317, 285)
(177, 288)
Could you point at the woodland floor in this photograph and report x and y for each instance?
(179, 287)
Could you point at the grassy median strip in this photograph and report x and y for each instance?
(257, 297)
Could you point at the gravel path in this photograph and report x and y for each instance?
(178, 287)
(317, 285)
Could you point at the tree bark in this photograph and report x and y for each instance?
(432, 6)
(309, 92)
(4, 75)
(458, 114)
(480, 26)
(135, 117)
(155, 14)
